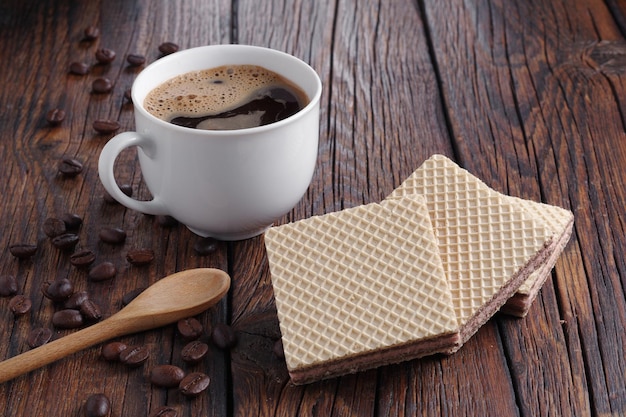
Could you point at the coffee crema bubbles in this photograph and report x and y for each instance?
(226, 98)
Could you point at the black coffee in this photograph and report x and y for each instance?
(226, 98)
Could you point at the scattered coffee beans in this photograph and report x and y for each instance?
(131, 295)
(164, 411)
(105, 55)
(66, 241)
(55, 116)
(140, 256)
(194, 384)
(82, 258)
(72, 221)
(167, 48)
(101, 85)
(91, 33)
(58, 290)
(112, 235)
(189, 328)
(67, 319)
(20, 305)
(112, 350)
(102, 271)
(23, 250)
(70, 167)
(76, 300)
(97, 405)
(205, 246)
(135, 60)
(79, 68)
(53, 227)
(167, 376)
(134, 356)
(90, 311)
(223, 336)
(8, 285)
(105, 127)
(39, 336)
(194, 352)
(127, 189)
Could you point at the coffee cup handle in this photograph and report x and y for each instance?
(106, 166)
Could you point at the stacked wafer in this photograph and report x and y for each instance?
(414, 275)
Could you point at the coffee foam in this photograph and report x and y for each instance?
(209, 91)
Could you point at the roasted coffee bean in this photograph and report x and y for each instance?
(70, 167)
(194, 352)
(20, 305)
(23, 250)
(91, 33)
(58, 290)
(167, 48)
(134, 356)
(55, 117)
(194, 384)
(67, 319)
(82, 258)
(135, 60)
(112, 350)
(278, 349)
(101, 85)
(166, 221)
(128, 95)
(223, 336)
(90, 311)
(205, 246)
(79, 68)
(72, 221)
(164, 411)
(103, 271)
(167, 376)
(127, 189)
(66, 241)
(140, 256)
(54, 227)
(105, 55)
(39, 336)
(112, 235)
(8, 285)
(106, 126)
(189, 328)
(131, 295)
(76, 300)
(97, 405)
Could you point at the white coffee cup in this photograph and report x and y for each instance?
(227, 184)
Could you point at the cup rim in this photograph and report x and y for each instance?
(138, 104)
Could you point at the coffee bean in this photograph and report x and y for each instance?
(23, 250)
(278, 349)
(90, 311)
(128, 95)
(167, 48)
(134, 356)
(79, 68)
(194, 352)
(135, 60)
(112, 235)
(131, 295)
(20, 305)
(140, 256)
(194, 384)
(70, 167)
(82, 258)
(105, 55)
(39, 336)
(166, 221)
(91, 33)
(101, 85)
(112, 350)
(66, 241)
(8, 285)
(72, 221)
(205, 246)
(67, 319)
(223, 336)
(167, 376)
(97, 405)
(54, 227)
(127, 189)
(58, 290)
(106, 126)
(164, 411)
(55, 116)
(189, 328)
(76, 300)
(103, 271)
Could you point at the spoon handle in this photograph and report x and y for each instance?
(57, 349)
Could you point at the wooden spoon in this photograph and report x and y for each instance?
(175, 297)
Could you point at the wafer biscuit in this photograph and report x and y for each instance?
(360, 288)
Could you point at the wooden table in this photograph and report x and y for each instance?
(530, 96)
